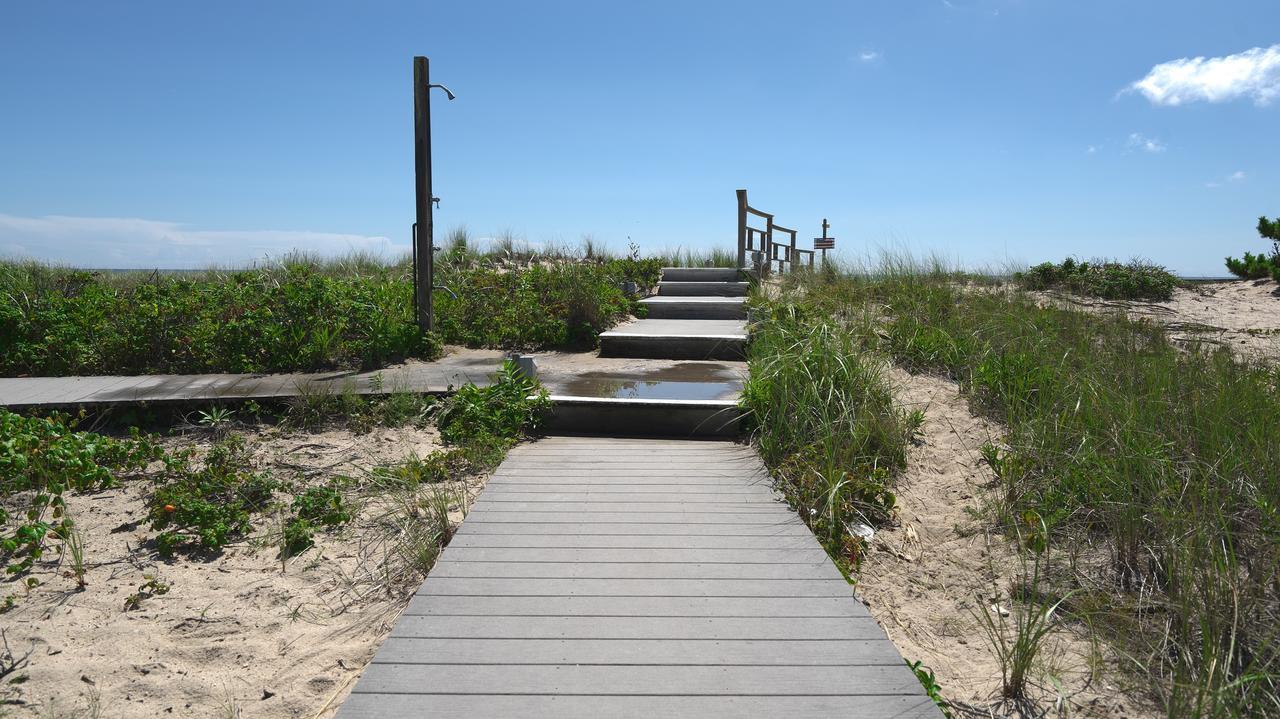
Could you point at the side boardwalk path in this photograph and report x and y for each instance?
(600, 577)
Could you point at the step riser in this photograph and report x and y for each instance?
(700, 274)
(642, 420)
(696, 348)
(696, 311)
(702, 289)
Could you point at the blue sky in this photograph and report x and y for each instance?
(179, 134)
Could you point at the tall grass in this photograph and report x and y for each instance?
(825, 422)
(1160, 467)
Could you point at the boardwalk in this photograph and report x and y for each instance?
(600, 577)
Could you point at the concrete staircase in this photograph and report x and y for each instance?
(698, 314)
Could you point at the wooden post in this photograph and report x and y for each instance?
(424, 270)
(742, 229)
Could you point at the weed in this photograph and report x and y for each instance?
(931, 686)
(209, 507)
(502, 411)
(73, 541)
(153, 587)
(217, 420)
(43, 458)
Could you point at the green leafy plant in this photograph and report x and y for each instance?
(299, 315)
(931, 686)
(42, 459)
(153, 587)
(208, 507)
(502, 411)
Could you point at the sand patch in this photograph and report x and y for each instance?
(239, 635)
(1242, 315)
(927, 577)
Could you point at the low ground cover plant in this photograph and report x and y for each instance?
(42, 459)
(1158, 467)
(198, 505)
(1133, 280)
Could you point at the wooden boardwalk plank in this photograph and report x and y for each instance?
(589, 680)
(747, 652)
(699, 628)
(514, 606)
(632, 587)
(448, 706)
(634, 578)
(649, 570)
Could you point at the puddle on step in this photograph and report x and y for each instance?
(685, 380)
(633, 389)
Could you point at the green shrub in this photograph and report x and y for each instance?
(209, 507)
(43, 458)
(64, 322)
(539, 306)
(501, 412)
(1135, 280)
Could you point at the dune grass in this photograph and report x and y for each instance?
(825, 421)
(1156, 468)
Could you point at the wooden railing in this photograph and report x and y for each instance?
(758, 248)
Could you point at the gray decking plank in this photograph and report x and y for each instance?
(643, 554)
(384, 706)
(506, 494)
(632, 529)
(589, 680)
(609, 627)
(604, 505)
(502, 487)
(591, 517)
(632, 587)
(755, 652)
(602, 578)
(651, 570)
(637, 606)
(616, 541)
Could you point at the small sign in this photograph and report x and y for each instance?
(824, 242)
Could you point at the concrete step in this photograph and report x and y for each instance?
(696, 308)
(700, 274)
(643, 417)
(703, 289)
(676, 339)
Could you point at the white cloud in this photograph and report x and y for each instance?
(868, 56)
(1092, 150)
(1237, 176)
(122, 243)
(1139, 141)
(1254, 73)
